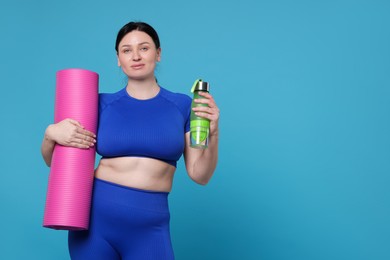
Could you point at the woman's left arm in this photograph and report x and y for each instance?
(201, 163)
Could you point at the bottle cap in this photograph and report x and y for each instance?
(200, 85)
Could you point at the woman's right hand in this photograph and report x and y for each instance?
(69, 132)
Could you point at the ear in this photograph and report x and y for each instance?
(158, 57)
(119, 63)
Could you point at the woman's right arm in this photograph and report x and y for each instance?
(68, 132)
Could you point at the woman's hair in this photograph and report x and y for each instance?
(139, 26)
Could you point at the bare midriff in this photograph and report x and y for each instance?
(137, 172)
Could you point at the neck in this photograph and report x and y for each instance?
(144, 89)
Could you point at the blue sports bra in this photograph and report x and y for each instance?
(153, 128)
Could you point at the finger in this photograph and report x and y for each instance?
(205, 115)
(204, 101)
(205, 94)
(211, 117)
(85, 138)
(85, 132)
(79, 145)
(209, 101)
(208, 97)
(203, 109)
(211, 114)
(209, 110)
(75, 122)
(87, 141)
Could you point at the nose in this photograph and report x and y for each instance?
(136, 55)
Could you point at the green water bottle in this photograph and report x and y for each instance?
(200, 126)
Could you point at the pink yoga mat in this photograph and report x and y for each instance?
(68, 198)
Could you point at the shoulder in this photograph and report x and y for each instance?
(107, 98)
(179, 99)
(111, 96)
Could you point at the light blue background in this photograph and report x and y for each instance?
(303, 88)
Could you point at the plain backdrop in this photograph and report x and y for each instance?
(303, 88)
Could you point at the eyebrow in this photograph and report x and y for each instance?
(129, 45)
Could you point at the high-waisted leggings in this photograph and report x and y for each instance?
(125, 223)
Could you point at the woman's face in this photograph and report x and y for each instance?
(137, 55)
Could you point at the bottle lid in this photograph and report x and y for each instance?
(200, 85)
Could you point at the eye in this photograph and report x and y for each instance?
(144, 49)
(126, 51)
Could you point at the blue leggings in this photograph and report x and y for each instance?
(125, 223)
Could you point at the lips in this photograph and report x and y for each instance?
(137, 66)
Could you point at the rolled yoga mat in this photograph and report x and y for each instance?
(68, 197)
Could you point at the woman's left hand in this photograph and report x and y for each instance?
(211, 112)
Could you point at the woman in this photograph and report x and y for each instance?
(143, 131)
